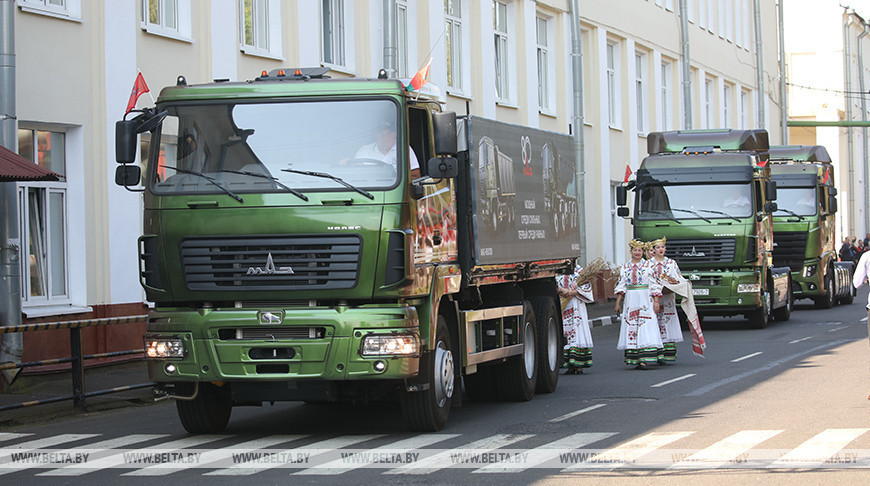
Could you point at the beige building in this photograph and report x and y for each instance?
(510, 60)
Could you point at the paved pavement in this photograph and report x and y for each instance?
(46, 387)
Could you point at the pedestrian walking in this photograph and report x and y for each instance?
(575, 322)
(639, 334)
(668, 321)
(859, 278)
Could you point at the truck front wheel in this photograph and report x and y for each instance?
(827, 301)
(209, 412)
(759, 318)
(427, 410)
(549, 343)
(519, 377)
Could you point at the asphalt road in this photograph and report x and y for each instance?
(779, 405)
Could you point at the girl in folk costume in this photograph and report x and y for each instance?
(575, 322)
(664, 268)
(638, 332)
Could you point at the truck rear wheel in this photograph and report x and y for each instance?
(519, 375)
(549, 343)
(427, 410)
(209, 412)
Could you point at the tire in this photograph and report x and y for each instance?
(758, 319)
(827, 301)
(849, 298)
(427, 410)
(480, 387)
(783, 313)
(550, 334)
(209, 412)
(517, 378)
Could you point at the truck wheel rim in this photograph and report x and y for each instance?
(529, 349)
(552, 344)
(443, 374)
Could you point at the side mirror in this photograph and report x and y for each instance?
(125, 141)
(770, 190)
(621, 195)
(442, 167)
(832, 204)
(770, 207)
(622, 211)
(128, 175)
(444, 128)
(832, 191)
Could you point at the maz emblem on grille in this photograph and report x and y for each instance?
(694, 253)
(270, 268)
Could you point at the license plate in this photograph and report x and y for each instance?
(700, 291)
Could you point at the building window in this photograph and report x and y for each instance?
(402, 39)
(640, 90)
(43, 214)
(613, 100)
(333, 32)
(500, 27)
(453, 33)
(543, 52)
(261, 29)
(170, 18)
(708, 103)
(744, 109)
(65, 9)
(667, 114)
(726, 106)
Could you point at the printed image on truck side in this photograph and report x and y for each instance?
(497, 188)
(560, 201)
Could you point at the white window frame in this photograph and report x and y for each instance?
(70, 10)
(726, 105)
(182, 29)
(708, 102)
(667, 118)
(744, 109)
(613, 76)
(28, 302)
(711, 15)
(272, 19)
(459, 69)
(640, 85)
(402, 66)
(547, 78)
(503, 55)
(702, 14)
(729, 20)
(342, 55)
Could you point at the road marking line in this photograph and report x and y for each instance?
(340, 466)
(547, 452)
(746, 357)
(578, 412)
(4, 436)
(672, 381)
(838, 328)
(446, 459)
(801, 339)
(726, 450)
(629, 451)
(819, 449)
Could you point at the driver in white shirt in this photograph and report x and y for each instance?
(384, 148)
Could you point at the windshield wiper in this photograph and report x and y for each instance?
(720, 212)
(273, 179)
(208, 178)
(692, 212)
(791, 213)
(330, 176)
(659, 211)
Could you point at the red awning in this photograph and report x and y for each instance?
(14, 167)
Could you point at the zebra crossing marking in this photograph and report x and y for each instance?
(547, 452)
(443, 460)
(4, 436)
(339, 466)
(726, 450)
(35, 445)
(817, 450)
(629, 451)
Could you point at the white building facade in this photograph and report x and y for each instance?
(509, 60)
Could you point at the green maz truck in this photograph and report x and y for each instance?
(803, 224)
(710, 193)
(288, 261)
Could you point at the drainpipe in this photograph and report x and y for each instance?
(577, 122)
(391, 50)
(11, 345)
(783, 86)
(850, 144)
(759, 64)
(864, 156)
(686, 65)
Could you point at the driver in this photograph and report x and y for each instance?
(384, 148)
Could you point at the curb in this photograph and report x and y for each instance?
(602, 321)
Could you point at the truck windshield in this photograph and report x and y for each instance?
(800, 201)
(695, 201)
(244, 147)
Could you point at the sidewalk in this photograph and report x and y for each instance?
(47, 386)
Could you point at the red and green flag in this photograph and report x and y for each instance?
(419, 79)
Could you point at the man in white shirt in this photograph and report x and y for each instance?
(862, 270)
(384, 148)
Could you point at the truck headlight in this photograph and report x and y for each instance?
(752, 288)
(810, 270)
(163, 347)
(390, 345)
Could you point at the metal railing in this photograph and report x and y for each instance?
(76, 359)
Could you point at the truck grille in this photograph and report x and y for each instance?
(271, 262)
(789, 249)
(701, 251)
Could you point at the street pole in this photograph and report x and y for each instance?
(579, 144)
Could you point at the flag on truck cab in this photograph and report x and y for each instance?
(139, 88)
(419, 79)
(627, 172)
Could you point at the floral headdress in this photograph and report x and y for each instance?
(636, 244)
